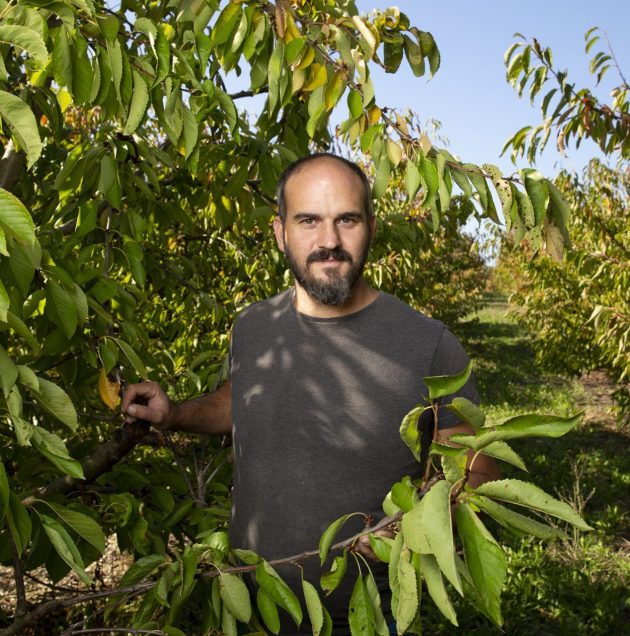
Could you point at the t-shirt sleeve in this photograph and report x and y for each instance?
(450, 358)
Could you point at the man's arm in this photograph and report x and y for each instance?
(484, 468)
(209, 414)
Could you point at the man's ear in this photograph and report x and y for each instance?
(278, 230)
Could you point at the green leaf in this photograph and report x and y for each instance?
(414, 529)
(83, 525)
(431, 179)
(412, 179)
(8, 372)
(524, 494)
(5, 303)
(64, 546)
(410, 433)
(404, 494)
(53, 448)
(530, 425)
(15, 219)
(54, 400)
(467, 412)
(435, 586)
(382, 178)
(498, 450)
(139, 103)
(359, 613)
(133, 358)
(355, 104)
(190, 132)
(439, 530)
(282, 595)
(268, 610)
(314, 607)
(538, 192)
(249, 557)
(407, 593)
(141, 569)
(60, 308)
(329, 535)
(82, 72)
(381, 546)
(4, 492)
(441, 385)
(235, 595)
(514, 520)
(19, 522)
(484, 558)
(27, 39)
(374, 596)
(330, 580)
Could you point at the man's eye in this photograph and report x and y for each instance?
(307, 221)
(347, 220)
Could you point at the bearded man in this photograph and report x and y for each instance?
(321, 376)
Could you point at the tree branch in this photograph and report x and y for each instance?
(100, 461)
(20, 608)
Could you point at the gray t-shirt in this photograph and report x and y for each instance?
(316, 406)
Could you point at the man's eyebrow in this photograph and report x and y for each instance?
(314, 215)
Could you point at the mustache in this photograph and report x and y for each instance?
(324, 254)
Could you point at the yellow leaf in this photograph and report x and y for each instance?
(367, 34)
(334, 90)
(374, 114)
(394, 152)
(425, 143)
(318, 77)
(109, 390)
(299, 77)
(306, 60)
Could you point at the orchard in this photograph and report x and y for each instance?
(136, 194)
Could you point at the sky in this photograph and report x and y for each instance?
(469, 94)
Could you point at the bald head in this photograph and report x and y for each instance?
(310, 160)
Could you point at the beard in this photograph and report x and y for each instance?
(331, 288)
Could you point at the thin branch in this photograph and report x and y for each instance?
(614, 57)
(121, 630)
(241, 94)
(52, 586)
(18, 572)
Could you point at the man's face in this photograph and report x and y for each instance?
(325, 235)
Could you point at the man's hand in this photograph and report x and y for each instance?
(363, 544)
(158, 410)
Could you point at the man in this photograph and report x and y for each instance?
(321, 377)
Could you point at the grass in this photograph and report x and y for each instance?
(579, 585)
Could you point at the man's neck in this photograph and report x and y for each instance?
(362, 296)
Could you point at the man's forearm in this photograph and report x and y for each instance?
(209, 414)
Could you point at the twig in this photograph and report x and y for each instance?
(614, 57)
(52, 586)
(18, 571)
(122, 630)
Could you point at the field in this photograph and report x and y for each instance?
(578, 586)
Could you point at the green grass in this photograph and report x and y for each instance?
(580, 585)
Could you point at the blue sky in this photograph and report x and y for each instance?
(478, 109)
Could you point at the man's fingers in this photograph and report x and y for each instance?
(140, 412)
(145, 390)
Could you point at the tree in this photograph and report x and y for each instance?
(133, 209)
(577, 308)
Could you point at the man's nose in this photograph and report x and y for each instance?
(329, 235)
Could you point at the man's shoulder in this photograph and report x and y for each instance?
(399, 310)
(268, 309)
